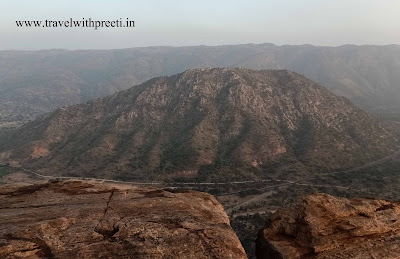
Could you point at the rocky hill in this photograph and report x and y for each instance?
(90, 220)
(217, 123)
(324, 226)
(36, 82)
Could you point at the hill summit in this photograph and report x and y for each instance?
(204, 124)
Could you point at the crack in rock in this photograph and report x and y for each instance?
(43, 250)
(107, 233)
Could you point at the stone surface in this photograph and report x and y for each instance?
(78, 219)
(323, 226)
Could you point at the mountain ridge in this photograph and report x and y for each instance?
(36, 82)
(200, 124)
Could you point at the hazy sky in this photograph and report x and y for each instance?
(202, 22)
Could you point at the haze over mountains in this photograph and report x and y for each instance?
(221, 123)
(36, 82)
(210, 129)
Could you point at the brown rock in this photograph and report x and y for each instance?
(76, 219)
(323, 226)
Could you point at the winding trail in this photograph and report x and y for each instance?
(260, 197)
(269, 189)
(134, 183)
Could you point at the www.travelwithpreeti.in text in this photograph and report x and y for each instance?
(84, 23)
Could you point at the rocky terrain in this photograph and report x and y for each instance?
(88, 219)
(76, 219)
(324, 226)
(36, 82)
(203, 124)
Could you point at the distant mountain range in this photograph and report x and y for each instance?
(209, 124)
(36, 82)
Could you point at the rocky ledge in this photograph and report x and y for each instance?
(323, 226)
(77, 219)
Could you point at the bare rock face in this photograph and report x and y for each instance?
(323, 226)
(78, 219)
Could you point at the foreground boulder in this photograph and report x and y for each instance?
(76, 219)
(323, 226)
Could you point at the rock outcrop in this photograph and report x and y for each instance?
(78, 219)
(323, 226)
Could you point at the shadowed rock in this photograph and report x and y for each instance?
(323, 226)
